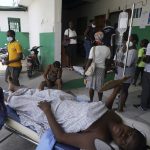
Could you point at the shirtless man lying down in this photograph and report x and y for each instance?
(74, 123)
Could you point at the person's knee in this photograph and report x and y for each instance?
(58, 83)
(43, 83)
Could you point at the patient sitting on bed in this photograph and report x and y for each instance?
(74, 123)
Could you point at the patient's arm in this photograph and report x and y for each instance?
(81, 140)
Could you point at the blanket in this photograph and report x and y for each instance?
(73, 116)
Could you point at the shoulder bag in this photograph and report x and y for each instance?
(91, 68)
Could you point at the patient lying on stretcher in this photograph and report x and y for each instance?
(74, 123)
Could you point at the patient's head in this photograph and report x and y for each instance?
(57, 64)
(138, 141)
(128, 138)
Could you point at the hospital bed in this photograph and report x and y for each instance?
(13, 125)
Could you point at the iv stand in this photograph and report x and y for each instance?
(130, 28)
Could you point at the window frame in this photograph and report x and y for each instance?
(14, 21)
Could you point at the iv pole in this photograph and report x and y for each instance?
(130, 29)
(114, 83)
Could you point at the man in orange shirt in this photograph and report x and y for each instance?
(13, 61)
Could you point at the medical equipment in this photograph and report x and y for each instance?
(130, 29)
(123, 22)
(123, 19)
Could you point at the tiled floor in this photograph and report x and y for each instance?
(16, 143)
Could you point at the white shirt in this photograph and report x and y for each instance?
(131, 59)
(147, 65)
(102, 53)
(72, 33)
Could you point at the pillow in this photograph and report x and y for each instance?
(100, 145)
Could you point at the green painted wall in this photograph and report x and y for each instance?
(22, 37)
(142, 33)
(3, 40)
(47, 51)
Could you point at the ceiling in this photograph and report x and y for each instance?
(66, 4)
(69, 4)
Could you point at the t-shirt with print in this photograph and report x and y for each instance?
(72, 33)
(14, 48)
(147, 65)
(102, 53)
(141, 54)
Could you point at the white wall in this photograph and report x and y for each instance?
(14, 14)
(24, 2)
(41, 19)
(57, 29)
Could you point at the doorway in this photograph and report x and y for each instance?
(100, 21)
(70, 13)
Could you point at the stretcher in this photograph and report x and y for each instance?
(13, 125)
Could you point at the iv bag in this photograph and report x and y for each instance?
(122, 22)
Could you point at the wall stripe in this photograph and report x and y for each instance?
(47, 49)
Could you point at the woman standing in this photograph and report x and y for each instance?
(100, 53)
(129, 64)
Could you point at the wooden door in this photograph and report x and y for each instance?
(100, 22)
(113, 17)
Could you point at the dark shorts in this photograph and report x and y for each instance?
(125, 87)
(14, 72)
(71, 50)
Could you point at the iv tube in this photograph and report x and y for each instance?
(130, 28)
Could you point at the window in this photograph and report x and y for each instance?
(137, 13)
(14, 24)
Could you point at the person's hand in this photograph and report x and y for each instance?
(120, 64)
(6, 62)
(44, 106)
